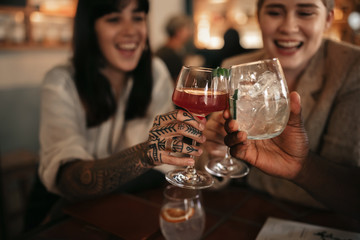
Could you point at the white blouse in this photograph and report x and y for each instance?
(64, 136)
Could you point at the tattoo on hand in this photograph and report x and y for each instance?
(188, 116)
(161, 143)
(155, 133)
(191, 149)
(166, 117)
(177, 146)
(181, 126)
(153, 153)
(166, 126)
(192, 130)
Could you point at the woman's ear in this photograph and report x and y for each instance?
(329, 19)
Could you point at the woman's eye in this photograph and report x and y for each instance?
(139, 18)
(113, 19)
(273, 13)
(305, 13)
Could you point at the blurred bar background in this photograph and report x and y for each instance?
(41, 30)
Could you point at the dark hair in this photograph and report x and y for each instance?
(93, 87)
(329, 4)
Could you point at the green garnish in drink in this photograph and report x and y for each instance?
(221, 72)
(232, 103)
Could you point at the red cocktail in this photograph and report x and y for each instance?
(199, 101)
(200, 91)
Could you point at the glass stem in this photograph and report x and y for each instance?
(228, 157)
(190, 170)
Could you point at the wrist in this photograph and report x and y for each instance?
(146, 159)
(306, 170)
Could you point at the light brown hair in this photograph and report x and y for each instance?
(329, 4)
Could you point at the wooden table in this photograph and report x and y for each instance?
(235, 212)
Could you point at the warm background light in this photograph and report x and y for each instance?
(213, 17)
(354, 21)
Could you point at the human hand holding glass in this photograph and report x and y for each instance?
(282, 156)
(259, 102)
(200, 91)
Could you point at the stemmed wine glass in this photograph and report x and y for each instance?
(200, 91)
(259, 102)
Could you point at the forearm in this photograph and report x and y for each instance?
(335, 185)
(87, 179)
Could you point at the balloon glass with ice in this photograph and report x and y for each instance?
(259, 98)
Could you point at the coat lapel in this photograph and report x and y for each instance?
(310, 83)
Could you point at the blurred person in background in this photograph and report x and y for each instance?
(102, 123)
(231, 48)
(326, 75)
(232, 45)
(179, 31)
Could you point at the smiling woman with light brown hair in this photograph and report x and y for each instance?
(326, 75)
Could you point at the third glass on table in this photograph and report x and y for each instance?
(182, 215)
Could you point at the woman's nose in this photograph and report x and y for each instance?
(128, 28)
(290, 24)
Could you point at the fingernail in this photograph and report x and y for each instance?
(191, 162)
(201, 126)
(238, 135)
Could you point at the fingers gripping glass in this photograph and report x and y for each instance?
(200, 91)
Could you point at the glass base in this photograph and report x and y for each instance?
(224, 167)
(185, 179)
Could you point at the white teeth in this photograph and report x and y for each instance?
(127, 46)
(288, 44)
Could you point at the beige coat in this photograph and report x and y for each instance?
(330, 97)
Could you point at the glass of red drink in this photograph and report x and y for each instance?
(200, 91)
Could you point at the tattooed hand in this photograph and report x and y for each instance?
(167, 134)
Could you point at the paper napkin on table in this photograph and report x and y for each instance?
(279, 229)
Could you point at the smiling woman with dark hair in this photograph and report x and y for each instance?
(103, 126)
(94, 90)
